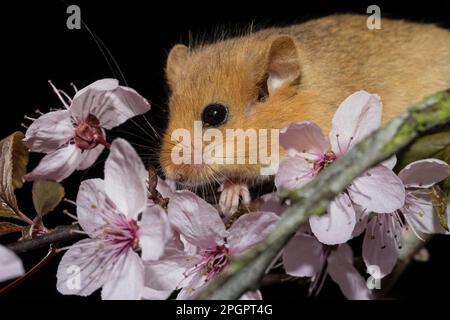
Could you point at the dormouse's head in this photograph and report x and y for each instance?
(223, 97)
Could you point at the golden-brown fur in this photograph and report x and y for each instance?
(323, 61)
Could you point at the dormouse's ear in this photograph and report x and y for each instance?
(283, 64)
(175, 61)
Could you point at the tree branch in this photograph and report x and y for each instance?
(246, 271)
(59, 234)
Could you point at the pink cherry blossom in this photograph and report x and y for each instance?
(74, 137)
(305, 256)
(205, 246)
(309, 152)
(108, 211)
(383, 237)
(10, 265)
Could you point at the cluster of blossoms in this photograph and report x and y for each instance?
(139, 248)
(379, 202)
(136, 248)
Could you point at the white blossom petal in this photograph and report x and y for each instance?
(125, 179)
(152, 294)
(49, 132)
(166, 187)
(192, 285)
(338, 224)
(249, 229)
(88, 157)
(251, 295)
(343, 272)
(380, 246)
(303, 256)
(357, 116)
(110, 103)
(378, 190)
(304, 139)
(390, 163)
(126, 280)
(57, 165)
(362, 219)
(11, 265)
(154, 232)
(198, 221)
(83, 269)
(91, 200)
(424, 173)
(168, 273)
(419, 213)
(293, 173)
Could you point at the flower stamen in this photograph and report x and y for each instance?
(56, 91)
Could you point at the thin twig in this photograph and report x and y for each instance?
(51, 252)
(59, 234)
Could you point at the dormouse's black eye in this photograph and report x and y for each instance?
(214, 115)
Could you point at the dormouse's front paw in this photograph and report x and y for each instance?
(232, 194)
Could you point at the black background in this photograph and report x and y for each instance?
(36, 46)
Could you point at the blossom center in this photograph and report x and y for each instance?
(89, 134)
(123, 233)
(217, 260)
(213, 262)
(324, 161)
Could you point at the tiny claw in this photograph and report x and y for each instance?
(233, 193)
